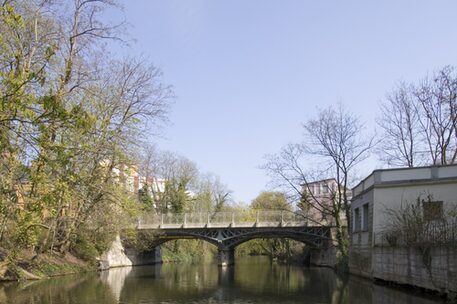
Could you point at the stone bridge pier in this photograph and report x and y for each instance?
(326, 254)
(225, 256)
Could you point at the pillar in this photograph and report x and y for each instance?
(225, 257)
(324, 256)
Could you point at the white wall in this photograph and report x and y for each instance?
(394, 197)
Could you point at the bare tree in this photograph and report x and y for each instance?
(337, 136)
(335, 141)
(420, 122)
(401, 143)
(437, 105)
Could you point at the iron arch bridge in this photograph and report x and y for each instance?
(226, 230)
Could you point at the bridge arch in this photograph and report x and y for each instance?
(226, 230)
(310, 240)
(165, 239)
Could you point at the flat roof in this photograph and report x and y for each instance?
(319, 181)
(406, 175)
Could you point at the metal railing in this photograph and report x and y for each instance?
(249, 218)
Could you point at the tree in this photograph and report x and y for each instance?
(401, 144)
(145, 198)
(186, 189)
(69, 116)
(334, 138)
(180, 175)
(211, 194)
(274, 248)
(437, 108)
(271, 200)
(420, 121)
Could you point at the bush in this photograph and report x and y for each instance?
(84, 249)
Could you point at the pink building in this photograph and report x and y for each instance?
(319, 199)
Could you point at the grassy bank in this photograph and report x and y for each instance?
(29, 267)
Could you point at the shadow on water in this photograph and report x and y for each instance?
(251, 280)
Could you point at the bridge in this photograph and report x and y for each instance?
(226, 230)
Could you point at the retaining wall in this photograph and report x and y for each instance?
(433, 268)
(119, 256)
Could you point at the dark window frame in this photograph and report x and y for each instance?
(365, 216)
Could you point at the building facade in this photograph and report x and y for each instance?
(320, 196)
(382, 247)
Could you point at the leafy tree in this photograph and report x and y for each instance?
(274, 248)
(270, 200)
(69, 117)
(145, 198)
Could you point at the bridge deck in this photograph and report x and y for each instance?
(142, 226)
(244, 219)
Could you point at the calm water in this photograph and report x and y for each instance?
(252, 280)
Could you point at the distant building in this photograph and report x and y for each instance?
(322, 194)
(133, 181)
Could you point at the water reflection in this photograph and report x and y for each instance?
(252, 280)
(115, 278)
(68, 289)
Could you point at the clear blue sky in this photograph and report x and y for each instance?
(248, 73)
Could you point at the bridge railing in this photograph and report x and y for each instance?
(248, 218)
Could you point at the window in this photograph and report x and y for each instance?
(325, 188)
(432, 210)
(365, 217)
(356, 223)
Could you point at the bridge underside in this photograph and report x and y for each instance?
(226, 239)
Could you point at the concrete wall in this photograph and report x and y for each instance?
(434, 270)
(394, 197)
(324, 257)
(360, 261)
(119, 256)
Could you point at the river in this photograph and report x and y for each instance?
(251, 280)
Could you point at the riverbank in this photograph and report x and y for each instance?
(30, 267)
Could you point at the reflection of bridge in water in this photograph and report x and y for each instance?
(252, 280)
(190, 283)
(226, 230)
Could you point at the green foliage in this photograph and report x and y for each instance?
(188, 251)
(69, 118)
(84, 249)
(140, 240)
(274, 248)
(52, 268)
(176, 195)
(146, 199)
(269, 200)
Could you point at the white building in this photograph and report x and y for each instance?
(390, 189)
(382, 249)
